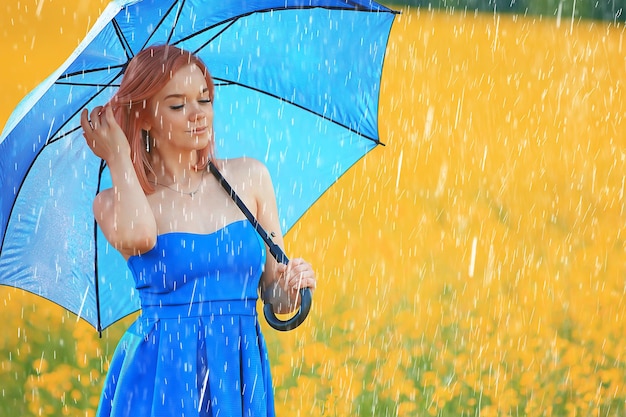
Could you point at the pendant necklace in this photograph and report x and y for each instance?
(189, 193)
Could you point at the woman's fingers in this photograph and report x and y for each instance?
(84, 121)
(90, 122)
(102, 133)
(108, 111)
(299, 274)
(96, 117)
(88, 130)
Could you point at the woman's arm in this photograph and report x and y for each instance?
(279, 283)
(122, 212)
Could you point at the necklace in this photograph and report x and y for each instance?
(189, 193)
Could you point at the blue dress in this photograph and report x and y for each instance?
(197, 348)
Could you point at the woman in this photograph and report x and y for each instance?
(197, 348)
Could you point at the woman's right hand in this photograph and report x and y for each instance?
(103, 134)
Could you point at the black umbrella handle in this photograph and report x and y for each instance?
(277, 253)
(296, 320)
(305, 293)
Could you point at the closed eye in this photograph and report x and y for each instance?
(181, 106)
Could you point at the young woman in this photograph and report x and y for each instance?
(198, 264)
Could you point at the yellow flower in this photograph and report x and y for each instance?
(76, 395)
(429, 379)
(407, 408)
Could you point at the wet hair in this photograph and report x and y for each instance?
(146, 74)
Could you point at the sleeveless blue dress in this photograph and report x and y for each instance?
(197, 348)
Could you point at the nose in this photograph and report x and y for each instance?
(197, 113)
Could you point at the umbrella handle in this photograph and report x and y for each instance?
(296, 320)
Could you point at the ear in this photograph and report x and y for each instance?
(142, 115)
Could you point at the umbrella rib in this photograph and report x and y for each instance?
(232, 22)
(123, 41)
(351, 129)
(147, 42)
(87, 84)
(178, 12)
(69, 132)
(96, 272)
(72, 74)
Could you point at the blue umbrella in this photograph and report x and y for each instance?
(297, 86)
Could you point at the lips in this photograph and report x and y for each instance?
(199, 130)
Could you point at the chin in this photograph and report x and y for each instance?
(202, 139)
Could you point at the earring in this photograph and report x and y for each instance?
(146, 137)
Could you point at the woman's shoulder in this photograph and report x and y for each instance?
(248, 176)
(243, 167)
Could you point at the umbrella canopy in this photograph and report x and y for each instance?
(297, 85)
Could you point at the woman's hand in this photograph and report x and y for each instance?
(103, 134)
(295, 275)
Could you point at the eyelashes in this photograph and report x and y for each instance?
(182, 106)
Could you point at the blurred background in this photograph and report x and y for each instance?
(473, 266)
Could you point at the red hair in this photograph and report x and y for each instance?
(147, 73)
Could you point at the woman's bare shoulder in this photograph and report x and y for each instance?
(244, 169)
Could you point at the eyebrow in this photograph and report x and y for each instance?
(204, 90)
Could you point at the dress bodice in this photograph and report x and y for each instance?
(185, 268)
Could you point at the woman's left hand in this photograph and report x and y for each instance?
(297, 274)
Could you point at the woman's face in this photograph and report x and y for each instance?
(182, 112)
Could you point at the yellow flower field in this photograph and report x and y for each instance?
(474, 266)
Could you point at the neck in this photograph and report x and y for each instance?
(180, 172)
(175, 169)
